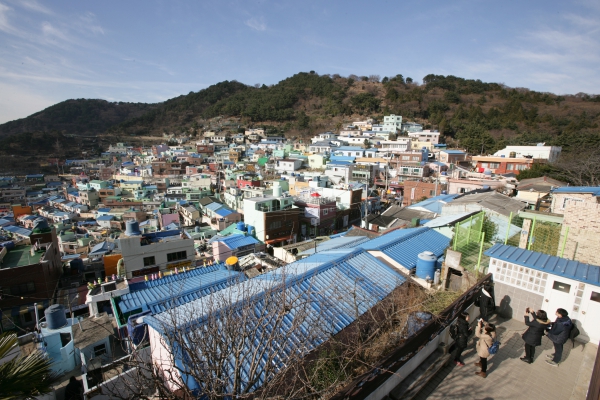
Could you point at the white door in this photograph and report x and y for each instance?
(559, 294)
(589, 314)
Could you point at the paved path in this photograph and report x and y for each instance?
(510, 378)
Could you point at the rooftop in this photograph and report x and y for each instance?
(92, 330)
(594, 190)
(543, 262)
(20, 256)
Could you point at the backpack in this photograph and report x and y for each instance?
(453, 331)
(493, 349)
(574, 333)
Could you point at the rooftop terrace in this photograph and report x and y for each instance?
(20, 256)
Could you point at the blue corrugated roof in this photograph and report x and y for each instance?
(341, 242)
(103, 210)
(222, 212)
(174, 290)
(543, 262)
(404, 245)
(235, 241)
(105, 218)
(17, 230)
(595, 190)
(453, 151)
(213, 206)
(435, 204)
(331, 290)
(102, 248)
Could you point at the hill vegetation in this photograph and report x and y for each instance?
(481, 117)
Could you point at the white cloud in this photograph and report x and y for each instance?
(35, 6)
(258, 24)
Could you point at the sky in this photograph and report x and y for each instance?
(150, 51)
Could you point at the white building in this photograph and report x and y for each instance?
(550, 153)
(153, 252)
(524, 278)
(288, 165)
(392, 123)
(389, 147)
(426, 136)
(323, 136)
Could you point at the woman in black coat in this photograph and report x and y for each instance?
(533, 334)
(487, 303)
(463, 332)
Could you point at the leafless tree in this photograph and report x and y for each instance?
(581, 168)
(278, 335)
(374, 78)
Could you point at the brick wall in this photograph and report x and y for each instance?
(581, 229)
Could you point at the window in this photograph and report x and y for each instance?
(21, 289)
(521, 167)
(275, 225)
(180, 255)
(561, 287)
(494, 165)
(99, 350)
(325, 211)
(149, 261)
(595, 297)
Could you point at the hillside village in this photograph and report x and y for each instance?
(107, 253)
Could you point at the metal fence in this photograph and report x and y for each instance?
(473, 236)
(367, 383)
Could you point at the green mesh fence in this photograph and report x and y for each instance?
(472, 237)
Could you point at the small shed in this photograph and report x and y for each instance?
(92, 340)
(525, 278)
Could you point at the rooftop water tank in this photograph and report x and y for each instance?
(40, 225)
(416, 321)
(250, 230)
(276, 189)
(132, 228)
(55, 316)
(232, 262)
(426, 262)
(241, 226)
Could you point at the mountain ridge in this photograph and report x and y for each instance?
(470, 113)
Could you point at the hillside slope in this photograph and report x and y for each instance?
(80, 116)
(481, 117)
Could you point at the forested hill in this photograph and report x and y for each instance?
(81, 116)
(471, 114)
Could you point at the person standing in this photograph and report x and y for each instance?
(559, 334)
(74, 389)
(487, 304)
(487, 335)
(463, 332)
(533, 335)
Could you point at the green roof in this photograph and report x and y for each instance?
(20, 256)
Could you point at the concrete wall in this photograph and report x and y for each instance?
(417, 360)
(511, 302)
